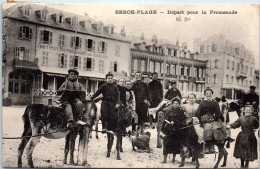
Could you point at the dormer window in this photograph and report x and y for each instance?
(112, 30)
(44, 14)
(27, 11)
(74, 21)
(94, 26)
(99, 28)
(59, 18)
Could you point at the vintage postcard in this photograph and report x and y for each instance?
(130, 85)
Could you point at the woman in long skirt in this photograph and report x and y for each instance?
(246, 144)
(174, 120)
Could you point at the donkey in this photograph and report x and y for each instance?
(122, 119)
(50, 122)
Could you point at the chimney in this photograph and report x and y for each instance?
(142, 36)
(177, 42)
(184, 45)
(123, 31)
(154, 39)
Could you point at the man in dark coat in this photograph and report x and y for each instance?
(156, 90)
(71, 100)
(251, 97)
(110, 101)
(142, 97)
(173, 92)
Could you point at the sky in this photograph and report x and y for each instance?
(242, 27)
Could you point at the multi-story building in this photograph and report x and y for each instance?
(172, 62)
(41, 43)
(230, 68)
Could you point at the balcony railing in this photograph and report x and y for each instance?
(242, 74)
(25, 64)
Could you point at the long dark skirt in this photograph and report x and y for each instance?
(171, 144)
(246, 146)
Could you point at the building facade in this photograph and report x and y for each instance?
(172, 62)
(40, 45)
(230, 68)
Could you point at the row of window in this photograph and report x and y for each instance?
(46, 37)
(229, 79)
(191, 87)
(141, 65)
(229, 49)
(88, 63)
(60, 19)
(240, 66)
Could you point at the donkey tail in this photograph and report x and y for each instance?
(27, 126)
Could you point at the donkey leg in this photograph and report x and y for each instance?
(66, 148)
(121, 144)
(118, 145)
(159, 127)
(73, 136)
(21, 149)
(221, 152)
(96, 128)
(32, 143)
(225, 153)
(83, 147)
(196, 157)
(164, 158)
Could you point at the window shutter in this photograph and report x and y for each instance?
(28, 54)
(85, 64)
(30, 33)
(21, 32)
(71, 61)
(93, 64)
(60, 40)
(86, 44)
(25, 54)
(93, 45)
(80, 42)
(59, 60)
(79, 61)
(71, 41)
(50, 38)
(65, 61)
(117, 66)
(105, 48)
(41, 39)
(111, 66)
(99, 46)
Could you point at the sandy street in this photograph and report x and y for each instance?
(49, 153)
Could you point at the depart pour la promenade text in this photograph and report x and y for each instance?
(175, 12)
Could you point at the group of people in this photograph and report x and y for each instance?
(139, 96)
(211, 118)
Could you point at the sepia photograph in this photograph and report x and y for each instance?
(99, 85)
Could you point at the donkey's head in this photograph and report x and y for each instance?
(90, 111)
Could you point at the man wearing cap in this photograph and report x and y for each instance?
(173, 92)
(251, 97)
(110, 102)
(72, 101)
(142, 97)
(156, 90)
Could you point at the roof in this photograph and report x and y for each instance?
(16, 13)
